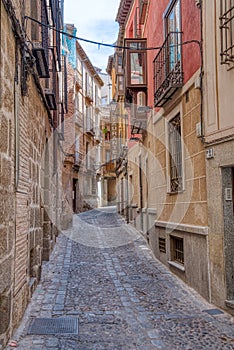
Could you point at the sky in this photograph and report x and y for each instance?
(94, 20)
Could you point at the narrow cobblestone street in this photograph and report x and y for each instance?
(103, 274)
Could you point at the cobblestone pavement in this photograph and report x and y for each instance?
(103, 273)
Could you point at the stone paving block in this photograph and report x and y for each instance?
(154, 333)
(123, 298)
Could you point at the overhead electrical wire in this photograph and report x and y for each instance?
(109, 45)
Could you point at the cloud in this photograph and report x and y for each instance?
(94, 20)
(81, 11)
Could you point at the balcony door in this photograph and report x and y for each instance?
(173, 31)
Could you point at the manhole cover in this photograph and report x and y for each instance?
(61, 325)
(213, 311)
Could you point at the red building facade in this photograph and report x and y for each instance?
(166, 170)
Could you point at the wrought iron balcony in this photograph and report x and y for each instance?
(139, 116)
(168, 74)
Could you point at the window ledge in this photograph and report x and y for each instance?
(200, 230)
(230, 303)
(177, 265)
(177, 192)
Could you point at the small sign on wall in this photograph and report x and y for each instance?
(228, 194)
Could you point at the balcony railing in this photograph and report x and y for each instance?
(139, 116)
(168, 74)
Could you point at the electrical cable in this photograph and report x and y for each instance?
(108, 45)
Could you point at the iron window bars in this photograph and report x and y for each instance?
(175, 149)
(177, 249)
(227, 31)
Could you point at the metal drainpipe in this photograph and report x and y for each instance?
(201, 71)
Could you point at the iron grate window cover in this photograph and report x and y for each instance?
(177, 249)
(162, 244)
(60, 325)
(227, 31)
(175, 154)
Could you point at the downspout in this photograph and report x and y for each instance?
(201, 71)
(203, 138)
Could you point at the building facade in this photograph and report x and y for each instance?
(32, 108)
(219, 140)
(119, 126)
(167, 198)
(82, 129)
(178, 69)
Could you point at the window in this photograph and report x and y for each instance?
(136, 66)
(137, 30)
(168, 73)
(172, 19)
(136, 63)
(177, 249)
(107, 156)
(227, 31)
(162, 244)
(34, 25)
(119, 64)
(175, 155)
(77, 149)
(143, 7)
(120, 83)
(87, 156)
(94, 188)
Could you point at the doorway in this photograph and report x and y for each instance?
(228, 217)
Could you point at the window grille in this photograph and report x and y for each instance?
(227, 31)
(162, 244)
(177, 249)
(175, 154)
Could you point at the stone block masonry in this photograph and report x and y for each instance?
(30, 205)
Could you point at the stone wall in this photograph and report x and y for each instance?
(30, 198)
(7, 195)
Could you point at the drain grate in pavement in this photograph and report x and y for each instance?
(61, 325)
(213, 311)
